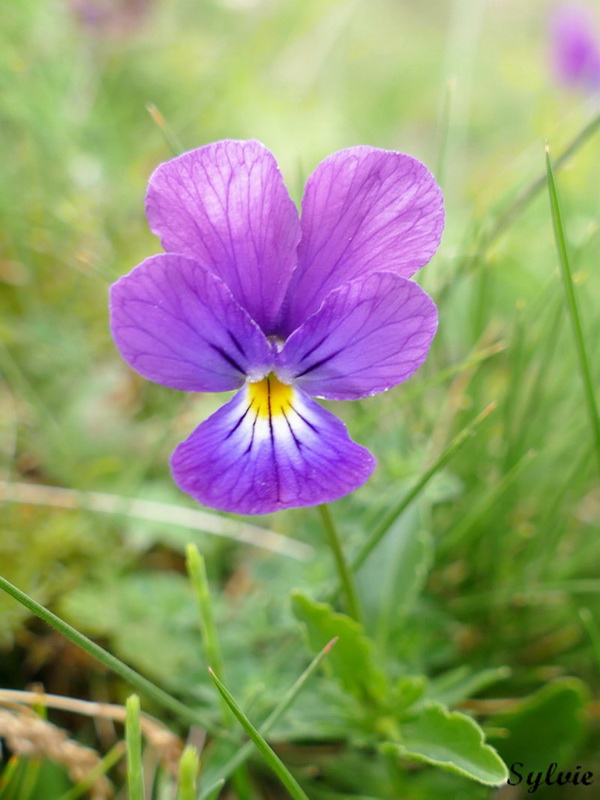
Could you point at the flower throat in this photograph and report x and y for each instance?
(269, 397)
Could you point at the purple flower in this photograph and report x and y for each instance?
(250, 297)
(575, 47)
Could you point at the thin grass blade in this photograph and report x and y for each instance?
(522, 200)
(169, 134)
(571, 297)
(110, 661)
(379, 532)
(345, 575)
(114, 755)
(278, 767)
(6, 779)
(213, 791)
(286, 701)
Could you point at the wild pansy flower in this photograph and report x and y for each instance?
(575, 47)
(248, 296)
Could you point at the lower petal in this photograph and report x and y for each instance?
(271, 447)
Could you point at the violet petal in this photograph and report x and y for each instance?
(226, 206)
(368, 335)
(178, 325)
(364, 210)
(263, 452)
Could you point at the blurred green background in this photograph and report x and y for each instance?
(496, 563)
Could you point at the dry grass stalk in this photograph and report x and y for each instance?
(168, 746)
(28, 735)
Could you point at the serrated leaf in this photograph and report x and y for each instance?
(452, 741)
(352, 660)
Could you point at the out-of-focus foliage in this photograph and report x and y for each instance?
(484, 593)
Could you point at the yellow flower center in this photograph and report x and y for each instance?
(269, 397)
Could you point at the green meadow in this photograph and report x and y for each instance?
(460, 645)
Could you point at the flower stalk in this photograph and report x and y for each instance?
(344, 572)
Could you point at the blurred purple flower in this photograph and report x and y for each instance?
(250, 297)
(110, 17)
(575, 47)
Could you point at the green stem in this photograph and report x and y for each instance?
(563, 255)
(345, 575)
(104, 657)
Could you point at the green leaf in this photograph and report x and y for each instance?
(452, 741)
(352, 659)
(545, 727)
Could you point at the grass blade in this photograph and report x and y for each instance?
(169, 134)
(563, 256)
(286, 778)
(111, 662)
(9, 772)
(133, 736)
(286, 701)
(383, 527)
(113, 756)
(522, 200)
(213, 791)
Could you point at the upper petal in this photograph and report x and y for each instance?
(225, 205)
(178, 325)
(368, 335)
(364, 210)
(271, 447)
